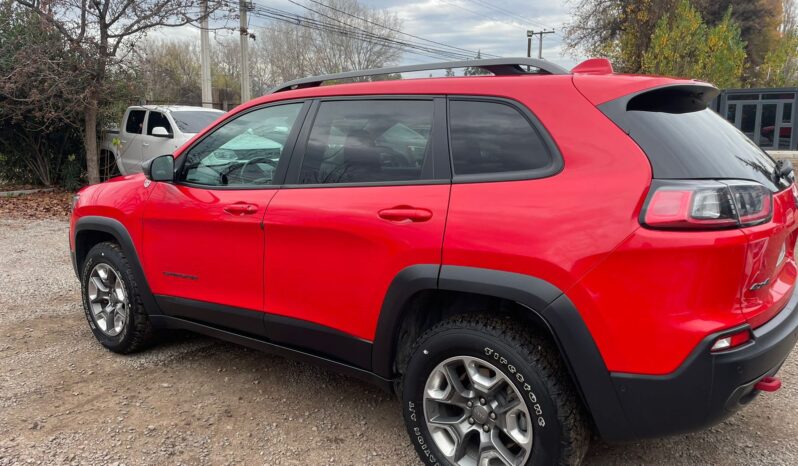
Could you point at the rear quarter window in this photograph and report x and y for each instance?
(496, 140)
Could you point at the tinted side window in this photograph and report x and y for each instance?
(368, 141)
(135, 121)
(491, 137)
(244, 151)
(157, 119)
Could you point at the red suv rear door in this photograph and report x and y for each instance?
(368, 197)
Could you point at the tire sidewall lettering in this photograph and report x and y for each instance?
(542, 411)
(418, 435)
(531, 399)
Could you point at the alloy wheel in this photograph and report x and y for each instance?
(108, 299)
(475, 414)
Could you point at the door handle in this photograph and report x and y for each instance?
(404, 214)
(241, 209)
(145, 144)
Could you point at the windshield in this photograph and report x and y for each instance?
(194, 121)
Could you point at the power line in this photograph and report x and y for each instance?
(317, 28)
(360, 37)
(507, 12)
(475, 13)
(394, 30)
(356, 33)
(453, 54)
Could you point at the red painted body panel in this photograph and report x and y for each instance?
(659, 294)
(325, 255)
(555, 228)
(194, 249)
(762, 262)
(121, 198)
(330, 257)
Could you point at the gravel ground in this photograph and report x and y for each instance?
(192, 400)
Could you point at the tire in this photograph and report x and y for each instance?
(549, 427)
(126, 327)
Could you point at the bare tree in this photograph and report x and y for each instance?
(169, 70)
(340, 35)
(102, 33)
(789, 21)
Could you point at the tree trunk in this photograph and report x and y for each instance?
(90, 142)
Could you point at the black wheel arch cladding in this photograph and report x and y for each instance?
(563, 321)
(117, 230)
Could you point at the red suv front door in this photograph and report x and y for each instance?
(203, 236)
(369, 198)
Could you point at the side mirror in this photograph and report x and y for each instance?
(161, 132)
(160, 168)
(784, 168)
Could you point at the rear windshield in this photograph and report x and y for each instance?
(683, 139)
(194, 121)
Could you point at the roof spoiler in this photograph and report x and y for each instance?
(594, 66)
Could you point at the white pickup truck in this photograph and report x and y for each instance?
(149, 131)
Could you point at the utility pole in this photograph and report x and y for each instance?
(205, 57)
(245, 83)
(529, 34)
(540, 34)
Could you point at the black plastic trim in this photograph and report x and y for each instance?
(286, 331)
(265, 346)
(73, 258)
(122, 237)
(525, 289)
(541, 298)
(404, 286)
(319, 339)
(708, 386)
(565, 324)
(556, 165)
(245, 321)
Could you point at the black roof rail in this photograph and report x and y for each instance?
(497, 66)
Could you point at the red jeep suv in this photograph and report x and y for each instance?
(525, 259)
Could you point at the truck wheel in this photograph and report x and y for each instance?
(111, 300)
(482, 391)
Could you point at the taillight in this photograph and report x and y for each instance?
(706, 205)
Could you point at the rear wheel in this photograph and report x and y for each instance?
(478, 391)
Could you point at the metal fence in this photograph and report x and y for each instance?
(764, 115)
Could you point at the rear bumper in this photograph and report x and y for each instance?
(707, 387)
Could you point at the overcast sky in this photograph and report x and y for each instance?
(494, 27)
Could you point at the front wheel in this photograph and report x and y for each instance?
(479, 391)
(111, 300)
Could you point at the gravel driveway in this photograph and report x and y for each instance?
(192, 400)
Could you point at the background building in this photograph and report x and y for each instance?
(764, 115)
